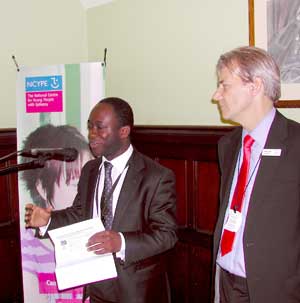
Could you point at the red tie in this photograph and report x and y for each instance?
(238, 196)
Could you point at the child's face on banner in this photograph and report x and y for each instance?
(64, 192)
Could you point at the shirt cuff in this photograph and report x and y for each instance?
(43, 229)
(121, 254)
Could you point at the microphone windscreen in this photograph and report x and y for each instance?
(71, 154)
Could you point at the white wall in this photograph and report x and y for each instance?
(37, 33)
(162, 55)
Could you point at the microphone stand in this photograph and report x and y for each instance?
(38, 163)
(9, 156)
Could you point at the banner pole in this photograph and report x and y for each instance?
(16, 63)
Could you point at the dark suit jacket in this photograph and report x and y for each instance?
(145, 214)
(272, 232)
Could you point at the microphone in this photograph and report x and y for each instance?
(64, 154)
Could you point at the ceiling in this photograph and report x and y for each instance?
(92, 3)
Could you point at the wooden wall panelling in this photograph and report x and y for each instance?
(200, 274)
(178, 274)
(191, 152)
(206, 201)
(11, 289)
(181, 170)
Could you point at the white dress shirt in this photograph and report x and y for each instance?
(119, 168)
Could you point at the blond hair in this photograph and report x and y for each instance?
(249, 62)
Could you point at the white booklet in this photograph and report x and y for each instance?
(74, 264)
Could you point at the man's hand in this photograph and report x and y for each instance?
(107, 241)
(36, 216)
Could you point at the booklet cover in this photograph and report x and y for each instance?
(74, 264)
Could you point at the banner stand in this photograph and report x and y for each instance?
(53, 104)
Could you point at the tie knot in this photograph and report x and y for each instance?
(108, 166)
(248, 141)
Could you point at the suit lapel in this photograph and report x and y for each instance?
(230, 150)
(131, 182)
(268, 167)
(92, 183)
(231, 157)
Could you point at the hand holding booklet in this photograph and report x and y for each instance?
(74, 264)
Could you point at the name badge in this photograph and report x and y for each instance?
(272, 152)
(234, 221)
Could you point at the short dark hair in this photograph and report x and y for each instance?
(122, 109)
(50, 136)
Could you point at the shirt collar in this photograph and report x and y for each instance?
(120, 162)
(260, 133)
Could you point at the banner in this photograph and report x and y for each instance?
(53, 105)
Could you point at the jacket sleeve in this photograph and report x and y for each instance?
(159, 229)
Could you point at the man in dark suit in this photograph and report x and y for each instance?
(142, 210)
(257, 236)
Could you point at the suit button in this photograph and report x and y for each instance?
(249, 244)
